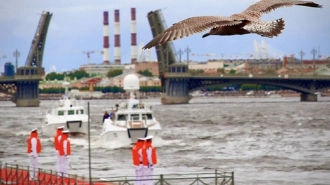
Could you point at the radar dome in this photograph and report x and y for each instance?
(131, 82)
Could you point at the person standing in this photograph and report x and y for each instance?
(105, 116)
(151, 154)
(138, 160)
(65, 151)
(33, 150)
(57, 139)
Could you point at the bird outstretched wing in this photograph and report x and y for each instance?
(190, 26)
(266, 6)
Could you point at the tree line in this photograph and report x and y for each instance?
(108, 89)
(79, 74)
(115, 89)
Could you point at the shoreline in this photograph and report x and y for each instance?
(220, 94)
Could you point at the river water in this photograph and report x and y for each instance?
(267, 141)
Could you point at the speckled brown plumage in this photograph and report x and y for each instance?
(238, 24)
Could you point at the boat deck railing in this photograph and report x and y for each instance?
(17, 174)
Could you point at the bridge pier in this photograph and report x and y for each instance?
(27, 94)
(177, 92)
(308, 97)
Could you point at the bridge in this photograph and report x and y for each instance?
(177, 82)
(24, 84)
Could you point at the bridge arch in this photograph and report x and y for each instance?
(306, 86)
(298, 89)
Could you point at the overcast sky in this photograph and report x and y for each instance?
(77, 26)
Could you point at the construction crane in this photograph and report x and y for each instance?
(143, 55)
(140, 53)
(266, 51)
(256, 47)
(88, 55)
(263, 45)
(147, 55)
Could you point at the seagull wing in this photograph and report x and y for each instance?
(266, 6)
(190, 26)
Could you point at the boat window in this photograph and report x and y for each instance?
(71, 112)
(81, 111)
(135, 117)
(122, 117)
(60, 112)
(147, 116)
(77, 111)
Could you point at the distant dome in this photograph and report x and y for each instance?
(131, 82)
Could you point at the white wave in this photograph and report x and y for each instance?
(159, 142)
(97, 142)
(22, 133)
(205, 143)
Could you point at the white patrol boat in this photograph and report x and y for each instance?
(131, 119)
(69, 113)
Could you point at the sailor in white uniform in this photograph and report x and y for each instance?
(65, 151)
(57, 139)
(33, 149)
(152, 160)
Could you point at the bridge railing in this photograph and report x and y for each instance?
(17, 174)
(208, 178)
(246, 75)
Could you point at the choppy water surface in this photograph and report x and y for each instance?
(266, 141)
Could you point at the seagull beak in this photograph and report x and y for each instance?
(205, 35)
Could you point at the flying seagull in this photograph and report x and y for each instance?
(238, 24)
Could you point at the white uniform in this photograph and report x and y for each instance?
(139, 170)
(64, 163)
(150, 169)
(33, 156)
(58, 158)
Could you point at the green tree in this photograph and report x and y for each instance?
(54, 75)
(232, 71)
(79, 74)
(270, 71)
(150, 89)
(114, 72)
(222, 70)
(196, 72)
(145, 73)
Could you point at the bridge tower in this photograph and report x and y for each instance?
(165, 52)
(27, 77)
(174, 91)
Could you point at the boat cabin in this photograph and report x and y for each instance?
(133, 116)
(133, 119)
(73, 111)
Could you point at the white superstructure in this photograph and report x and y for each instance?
(131, 119)
(69, 113)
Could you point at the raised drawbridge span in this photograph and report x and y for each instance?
(177, 82)
(24, 84)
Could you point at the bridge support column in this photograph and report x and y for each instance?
(27, 94)
(176, 92)
(308, 97)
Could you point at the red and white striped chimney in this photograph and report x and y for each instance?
(106, 59)
(133, 36)
(117, 38)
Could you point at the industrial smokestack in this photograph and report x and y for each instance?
(133, 36)
(106, 59)
(117, 38)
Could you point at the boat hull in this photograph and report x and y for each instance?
(75, 127)
(126, 136)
